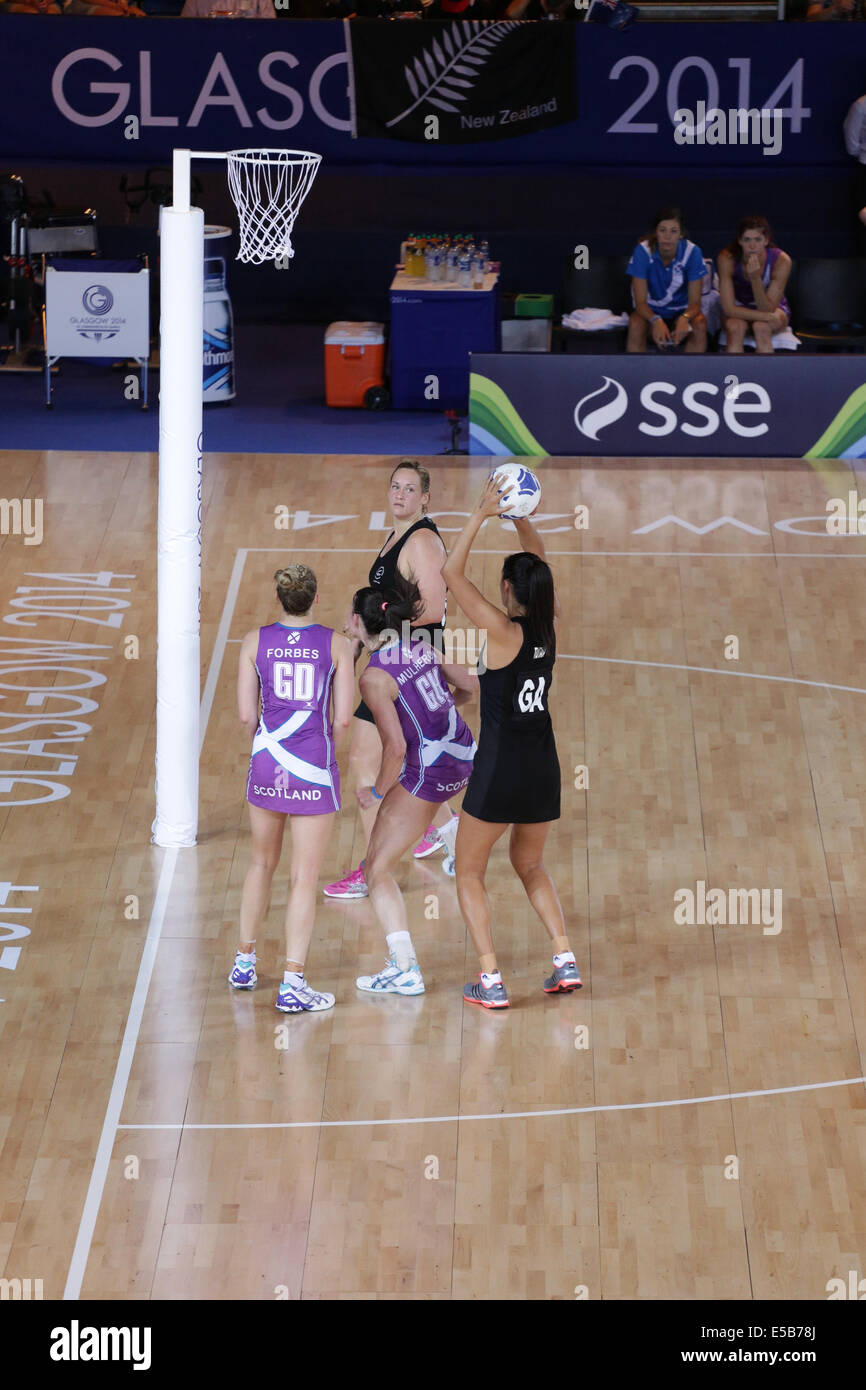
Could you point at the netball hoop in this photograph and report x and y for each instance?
(268, 187)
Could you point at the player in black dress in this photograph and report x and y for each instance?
(415, 550)
(515, 777)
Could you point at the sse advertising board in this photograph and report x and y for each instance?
(785, 406)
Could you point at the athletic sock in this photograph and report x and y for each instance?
(246, 955)
(564, 958)
(293, 977)
(494, 978)
(400, 948)
(448, 834)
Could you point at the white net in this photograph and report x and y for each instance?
(268, 187)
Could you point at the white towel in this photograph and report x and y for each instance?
(592, 320)
(786, 341)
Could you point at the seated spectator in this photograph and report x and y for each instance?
(753, 272)
(540, 9)
(462, 9)
(228, 9)
(855, 143)
(667, 275)
(835, 9)
(102, 9)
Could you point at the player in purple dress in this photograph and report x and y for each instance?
(427, 753)
(753, 273)
(296, 668)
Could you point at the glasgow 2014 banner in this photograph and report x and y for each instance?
(618, 405)
(459, 81)
(100, 92)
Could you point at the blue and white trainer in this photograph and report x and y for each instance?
(392, 980)
(299, 998)
(243, 974)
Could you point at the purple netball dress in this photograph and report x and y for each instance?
(744, 295)
(292, 766)
(439, 746)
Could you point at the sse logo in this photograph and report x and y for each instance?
(610, 403)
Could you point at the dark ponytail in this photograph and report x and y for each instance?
(531, 582)
(382, 609)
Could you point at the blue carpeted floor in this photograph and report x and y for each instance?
(279, 407)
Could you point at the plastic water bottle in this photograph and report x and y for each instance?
(477, 272)
(485, 255)
(428, 262)
(438, 265)
(464, 275)
(218, 351)
(453, 269)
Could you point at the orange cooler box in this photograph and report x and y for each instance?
(355, 365)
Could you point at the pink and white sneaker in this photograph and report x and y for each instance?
(354, 885)
(429, 844)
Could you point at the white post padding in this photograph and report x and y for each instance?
(178, 691)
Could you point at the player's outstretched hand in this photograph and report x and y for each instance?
(494, 496)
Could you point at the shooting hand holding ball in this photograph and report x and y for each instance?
(493, 499)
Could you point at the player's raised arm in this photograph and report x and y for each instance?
(531, 541)
(477, 608)
(529, 538)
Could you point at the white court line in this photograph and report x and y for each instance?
(93, 1200)
(643, 554)
(210, 684)
(711, 671)
(515, 1114)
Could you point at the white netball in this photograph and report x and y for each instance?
(525, 495)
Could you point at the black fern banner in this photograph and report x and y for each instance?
(458, 81)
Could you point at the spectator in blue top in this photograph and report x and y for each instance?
(667, 274)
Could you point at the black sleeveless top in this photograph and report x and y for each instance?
(514, 697)
(383, 570)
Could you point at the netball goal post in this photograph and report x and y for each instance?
(267, 187)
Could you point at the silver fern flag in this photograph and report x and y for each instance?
(458, 81)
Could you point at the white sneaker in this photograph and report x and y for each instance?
(300, 998)
(392, 980)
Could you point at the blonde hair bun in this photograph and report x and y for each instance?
(296, 588)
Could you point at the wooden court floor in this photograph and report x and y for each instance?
(691, 1125)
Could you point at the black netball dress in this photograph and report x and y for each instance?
(383, 573)
(515, 777)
